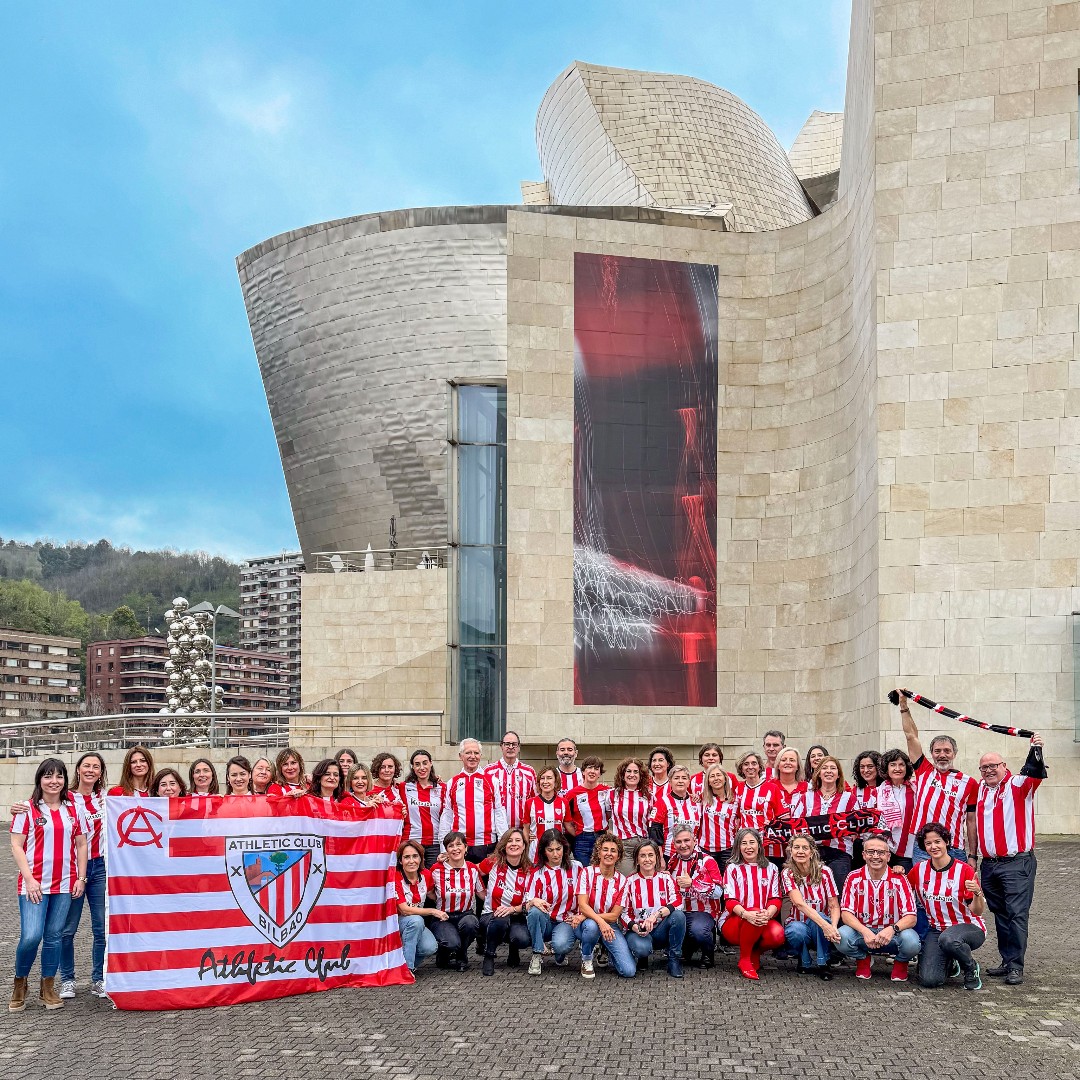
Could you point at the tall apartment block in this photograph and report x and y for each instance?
(39, 676)
(270, 610)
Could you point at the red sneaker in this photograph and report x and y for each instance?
(862, 968)
(747, 970)
(899, 971)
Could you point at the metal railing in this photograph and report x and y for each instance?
(357, 562)
(270, 729)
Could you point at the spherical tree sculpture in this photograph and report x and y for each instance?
(189, 669)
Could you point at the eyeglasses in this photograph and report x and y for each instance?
(874, 854)
(511, 744)
(991, 766)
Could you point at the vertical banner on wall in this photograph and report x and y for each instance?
(645, 422)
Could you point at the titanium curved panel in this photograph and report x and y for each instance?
(358, 327)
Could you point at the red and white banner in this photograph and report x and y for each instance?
(218, 901)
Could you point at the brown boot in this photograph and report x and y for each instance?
(18, 996)
(49, 997)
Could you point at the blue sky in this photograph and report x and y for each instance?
(146, 145)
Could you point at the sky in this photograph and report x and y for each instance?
(146, 145)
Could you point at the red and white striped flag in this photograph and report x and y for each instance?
(218, 901)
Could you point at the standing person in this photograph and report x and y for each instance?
(289, 774)
(878, 912)
(414, 885)
(513, 780)
(661, 762)
(652, 912)
(346, 758)
(262, 776)
(88, 801)
(385, 773)
(551, 904)
(631, 809)
(943, 793)
(710, 754)
(896, 803)
(545, 810)
(569, 774)
(503, 918)
(772, 743)
(135, 774)
(457, 887)
(168, 784)
(719, 816)
(588, 809)
(701, 884)
(423, 794)
(1005, 823)
(866, 776)
(752, 901)
(327, 781)
(470, 806)
(953, 898)
(827, 796)
(815, 906)
(203, 778)
(358, 786)
(813, 760)
(49, 848)
(600, 898)
(238, 776)
(759, 799)
(790, 790)
(679, 807)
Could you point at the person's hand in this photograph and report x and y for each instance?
(684, 881)
(77, 889)
(607, 932)
(33, 890)
(758, 918)
(832, 934)
(542, 905)
(870, 938)
(1036, 739)
(20, 808)
(439, 914)
(973, 888)
(442, 856)
(574, 921)
(503, 911)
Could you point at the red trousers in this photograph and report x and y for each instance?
(752, 940)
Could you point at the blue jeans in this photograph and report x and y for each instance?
(417, 941)
(543, 928)
(583, 844)
(95, 895)
(668, 933)
(588, 933)
(905, 947)
(801, 936)
(41, 924)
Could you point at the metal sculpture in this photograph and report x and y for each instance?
(190, 668)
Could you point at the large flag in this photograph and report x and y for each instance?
(217, 901)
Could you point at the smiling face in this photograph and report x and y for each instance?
(680, 782)
(772, 746)
(140, 767)
(421, 766)
(684, 844)
(345, 761)
(202, 776)
(168, 788)
(387, 772)
(658, 766)
(868, 770)
(410, 861)
(548, 785)
(566, 754)
(590, 776)
(359, 781)
(455, 851)
(90, 772)
(828, 773)
(260, 774)
(815, 757)
(942, 754)
(329, 782)
(936, 846)
(800, 852)
(238, 779)
(469, 755)
(748, 848)
(646, 861)
(709, 757)
(751, 770)
(515, 847)
(290, 770)
(718, 783)
(897, 772)
(787, 764)
(632, 776)
(52, 783)
(609, 855)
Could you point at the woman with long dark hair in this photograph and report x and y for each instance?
(415, 893)
(866, 774)
(752, 899)
(238, 776)
(327, 781)
(135, 774)
(423, 793)
(551, 905)
(631, 809)
(49, 848)
(503, 917)
(203, 778)
(289, 778)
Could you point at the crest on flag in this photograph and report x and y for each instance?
(276, 881)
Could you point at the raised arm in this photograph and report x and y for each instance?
(911, 732)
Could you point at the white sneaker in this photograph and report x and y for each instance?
(98, 989)
(536, 964)
(67, 988)
(587, 970)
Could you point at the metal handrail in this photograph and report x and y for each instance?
(357, 562)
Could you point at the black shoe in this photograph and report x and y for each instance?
(707, 960)
(802, 969)
(824, 974)
(442, 960)
(513, 957)
(643, 964)
(459, 965)
(1015, 977)
(674, 967)
(488, 966)
(997, 972)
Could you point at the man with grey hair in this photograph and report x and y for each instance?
(471, 807)
(772, 743)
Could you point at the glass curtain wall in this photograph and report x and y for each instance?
(478, 620)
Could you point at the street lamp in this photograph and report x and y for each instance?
(221, 609)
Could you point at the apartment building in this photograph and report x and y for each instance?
(270, 611)
(40, 676)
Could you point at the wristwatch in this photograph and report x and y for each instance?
(895, 929)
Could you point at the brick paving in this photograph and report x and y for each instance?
(513, 1026)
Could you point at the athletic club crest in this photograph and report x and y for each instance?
(276, 881)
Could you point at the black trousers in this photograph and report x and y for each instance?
(700, 934)
(512, 928)
(941, 946)
(1009, 885)
(721, 858)
(839, 862)
(456, 933)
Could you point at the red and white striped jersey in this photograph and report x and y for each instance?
(672, 812)
(601, 893)
(812, 804)
(719, 823)
(816, 896)
(897, 804)
(758, 805)
(770, 773)
(470, 807)
(942, 893)
(415, 892)
(630, 813)
(752, 887)
(1005, 815)
(91, 810)
(506, 885)
(706, 882)
(944, 798)
(589, 809)
(659, 792)
(424, 806)
(456, 887)
(785, 803)
(50, 846)
(277, 790)
(697, 783)
(514, 787)
(391, 794)
(643, 896)
(877, 904)
(570, 780)
(135, 794)
(541, 816)
(558, 887)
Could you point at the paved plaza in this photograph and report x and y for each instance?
(712, 1024)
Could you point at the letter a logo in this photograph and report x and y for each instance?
(134, 827)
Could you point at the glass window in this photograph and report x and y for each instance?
(481, 490)
(481, 414)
